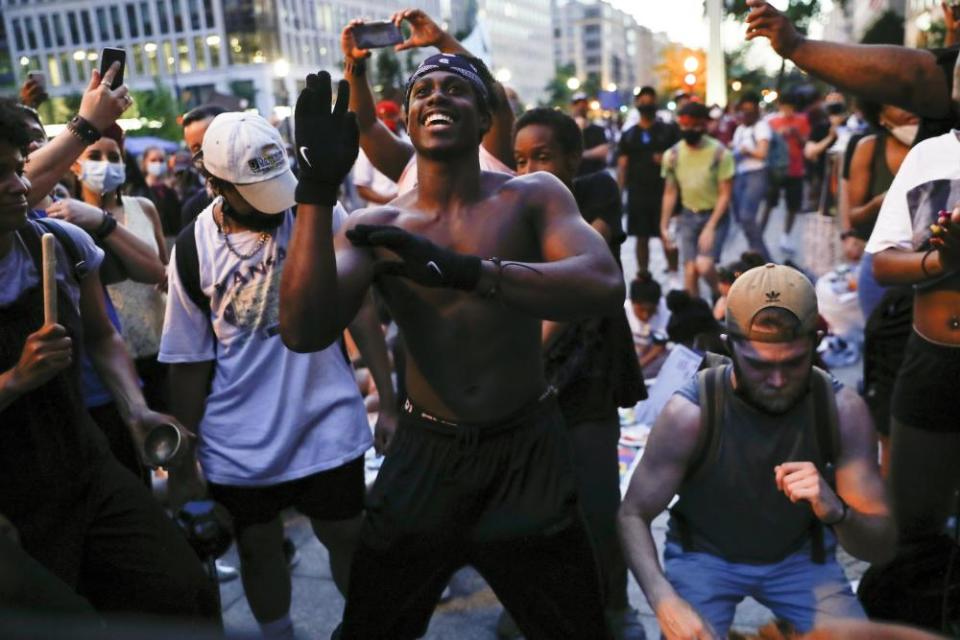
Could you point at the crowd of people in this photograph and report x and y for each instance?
(453, 267)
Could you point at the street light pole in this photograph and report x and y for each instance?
(716, 65)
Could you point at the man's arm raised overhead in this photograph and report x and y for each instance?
(323, 282)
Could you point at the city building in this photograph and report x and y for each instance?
(257, 50)
(605, 42)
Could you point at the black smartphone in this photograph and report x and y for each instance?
(375, 35)
(109, 55)
(955, 10)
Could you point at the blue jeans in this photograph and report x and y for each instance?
(749, 190)
(869, 291)
(795, 589)
(690, 225)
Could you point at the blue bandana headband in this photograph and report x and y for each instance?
(454, 64)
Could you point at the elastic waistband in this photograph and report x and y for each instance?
(933, 347)
(482, 430)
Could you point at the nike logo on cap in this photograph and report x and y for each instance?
(433, 265)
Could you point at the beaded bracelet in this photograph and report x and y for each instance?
(82, 129)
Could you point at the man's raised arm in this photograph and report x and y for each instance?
(387, 153)
(908, 78)
(322, 286)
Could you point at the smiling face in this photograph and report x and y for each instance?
(13, 189)
(536, 148)
(443, 116)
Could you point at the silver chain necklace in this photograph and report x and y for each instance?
(221, 227)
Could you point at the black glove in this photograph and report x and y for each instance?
(327, 142)
(420, 260)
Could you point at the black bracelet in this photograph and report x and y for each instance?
(849, 233)
(843, 516)
(356, 68)
(923, 263)
(86, 132)
(107, 226)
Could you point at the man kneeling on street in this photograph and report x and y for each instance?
(774, 461)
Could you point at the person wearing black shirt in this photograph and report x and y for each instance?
(595, 145)
(591, 362)
(638, 171)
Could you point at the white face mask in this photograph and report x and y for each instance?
(102, 176)
(906, 133)
(156, 169)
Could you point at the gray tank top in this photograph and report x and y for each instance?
(730, 506)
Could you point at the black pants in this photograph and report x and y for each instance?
(597, 464)
(501, 498)
(121, 552)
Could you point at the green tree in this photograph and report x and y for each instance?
(558, 93)
(799, 12)
(159, 106)
(387, 73)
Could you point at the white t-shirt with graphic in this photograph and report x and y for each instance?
(272, 415)
(933, 159)
(749, 138)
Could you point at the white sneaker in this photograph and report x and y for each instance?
(226, 573)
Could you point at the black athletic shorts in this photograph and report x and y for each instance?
(923, 393)
(501, 497)
(793, 186)
(334, 494)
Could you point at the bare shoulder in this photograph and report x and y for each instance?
(536, 183)
(856, 425)
(147, 205)
(677, 430)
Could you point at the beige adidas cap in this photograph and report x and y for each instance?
(771, 285)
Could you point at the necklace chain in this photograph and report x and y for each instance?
(262, 240)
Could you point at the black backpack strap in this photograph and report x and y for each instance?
(712, 399)
(43, 225)
(188, 266)
(827, 426)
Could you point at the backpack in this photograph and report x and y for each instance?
(778, 156)
(827, 430)
(188, 270)
(673, 156)
(188, 266)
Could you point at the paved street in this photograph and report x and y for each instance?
(472, 611)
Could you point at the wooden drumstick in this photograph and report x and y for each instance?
(49, 244)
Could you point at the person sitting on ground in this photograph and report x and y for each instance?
(773, 461)
(648, 315)
(726, 276)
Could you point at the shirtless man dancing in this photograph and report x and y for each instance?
(469, 263)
